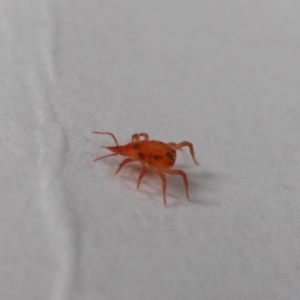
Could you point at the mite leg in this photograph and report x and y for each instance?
(144, 171)
(173, 145)
(164, 183)
(105, 156)
(184, 177)
(124, 162)
(136, 137)
(183, 144)
(111, 134)
(145, 135)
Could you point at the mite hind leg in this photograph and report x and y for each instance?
(183, 144)
(124, 162)
(144, 171)
(136, 137)
(184, 177)
(111, 134)
(164, 183)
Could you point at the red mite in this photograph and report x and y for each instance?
(156, 155)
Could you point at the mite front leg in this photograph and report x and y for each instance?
(184, 177)
(105, 156)
(124, 162)
(111, 134)
(183, 144)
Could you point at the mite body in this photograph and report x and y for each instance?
(156, 155)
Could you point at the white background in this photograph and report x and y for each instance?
(221, 74)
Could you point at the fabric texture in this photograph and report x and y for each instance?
(222, 75)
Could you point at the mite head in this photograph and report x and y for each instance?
(122, 150)
(114, 149)
(125, 150)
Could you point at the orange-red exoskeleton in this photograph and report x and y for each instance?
(158, 156)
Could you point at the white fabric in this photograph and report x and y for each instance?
(223, 75)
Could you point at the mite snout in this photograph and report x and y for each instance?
(112, 149)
